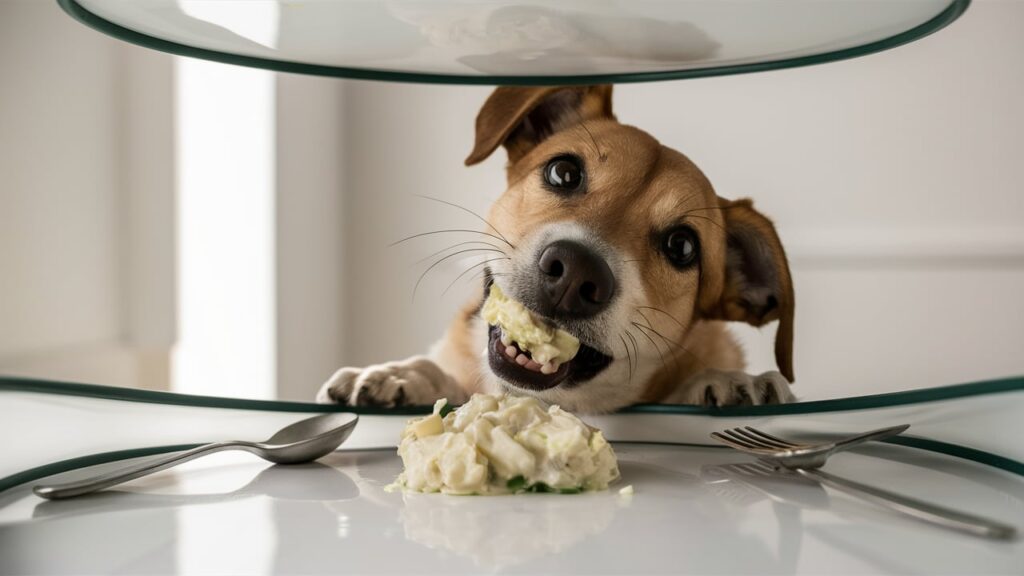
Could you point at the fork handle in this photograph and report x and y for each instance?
(847, 443)
(919, 509)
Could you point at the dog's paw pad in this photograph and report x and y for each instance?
(720, 388)
(414, 382)
(772, 388)
(338, 387)
(381, 386)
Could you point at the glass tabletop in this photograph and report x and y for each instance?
(336, 513)
(63, 426)
(518, 41)
(693, 507)
(693, 500)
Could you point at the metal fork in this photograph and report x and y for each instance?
(758, 443)
(805, 459)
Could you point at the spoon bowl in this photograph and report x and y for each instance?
(308, 439)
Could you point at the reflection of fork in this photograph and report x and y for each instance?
(729, 479)
(805, 459)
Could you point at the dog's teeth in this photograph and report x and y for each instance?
(548, 368)
(505, 339)
(531, 365)
(522, 359)
(511, 351)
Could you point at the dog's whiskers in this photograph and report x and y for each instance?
(711, 208)
(446, 231)
(648, 325)
(671, 317)
(655, 344)
(472, 213)
(492, 248)
(636, 349)
(419, 280)
(597, 147)
(629, 358)
(710, 220)
(464, 272)
(480, 273)
(672, 343)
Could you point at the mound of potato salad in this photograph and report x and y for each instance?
(501, 445)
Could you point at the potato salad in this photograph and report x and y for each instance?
(503, 444)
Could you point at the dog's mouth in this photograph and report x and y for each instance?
(516, 366)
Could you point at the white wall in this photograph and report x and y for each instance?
(58, 161)
(76, 109)
(310, 220)
(894, 180)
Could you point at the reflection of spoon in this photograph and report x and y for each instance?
(313, 482)
(302, 441)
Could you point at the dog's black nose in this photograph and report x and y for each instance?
(575, 281)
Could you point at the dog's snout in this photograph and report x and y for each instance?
(575, 280)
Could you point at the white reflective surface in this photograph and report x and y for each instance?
(520, 37)
(232, 513)
(62, 427)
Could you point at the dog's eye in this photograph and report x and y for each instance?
(564, 174)
(680, 246)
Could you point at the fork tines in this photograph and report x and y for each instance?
(752, 439)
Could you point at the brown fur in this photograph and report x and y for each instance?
(640, 183)
(636, 189)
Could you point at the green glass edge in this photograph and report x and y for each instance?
(958, 451)
(955, 450)
(889, 399)
(84, 461)
(941, 20)
(871, 401)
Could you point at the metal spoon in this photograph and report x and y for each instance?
(302, 441)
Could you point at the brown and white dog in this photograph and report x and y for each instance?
(623, 243)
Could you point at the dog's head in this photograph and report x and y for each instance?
(623, 243)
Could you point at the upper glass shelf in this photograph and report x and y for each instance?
(518, 41)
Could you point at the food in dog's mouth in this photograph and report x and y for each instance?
(501, 445)
(527, 340)
(529, 353)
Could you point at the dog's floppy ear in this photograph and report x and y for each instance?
(757, 286)
(521, 117)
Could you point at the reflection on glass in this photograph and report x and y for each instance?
(523, 38)
(254, 20)
(270, 519)
(550, 524)
(515, 38)
(742, 485)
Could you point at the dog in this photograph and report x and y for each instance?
(623, 243)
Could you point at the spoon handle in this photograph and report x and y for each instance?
(108, 479)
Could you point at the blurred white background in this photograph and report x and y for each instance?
(174, 224)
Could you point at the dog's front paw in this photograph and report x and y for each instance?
(417, 381)
(720, 388)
